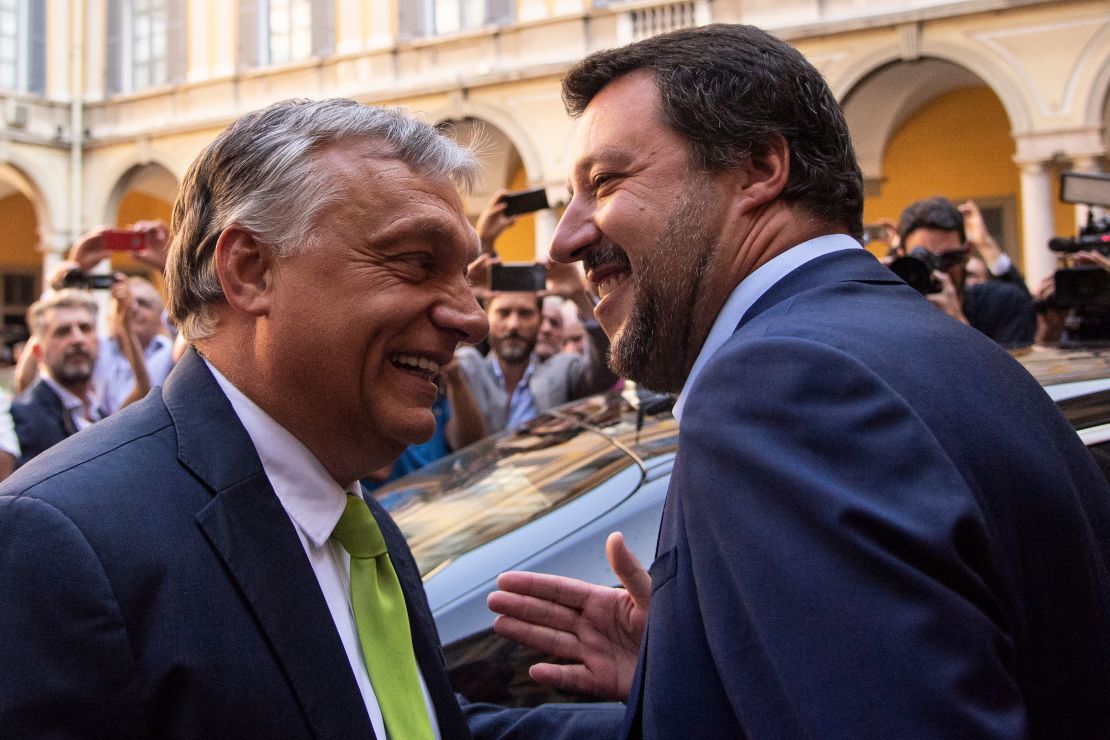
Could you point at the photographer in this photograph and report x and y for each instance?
(942, 236)
(116, 381)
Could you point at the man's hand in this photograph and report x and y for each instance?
(56, 279)
(492, 221)
(89, 249)
(1092, 257)
(119, 317)
(478, 275)
(947, 300)
(975, 230)
(156, 243)
(599, 628)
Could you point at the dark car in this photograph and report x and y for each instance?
(545, 497)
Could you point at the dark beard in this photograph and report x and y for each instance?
(659, 342)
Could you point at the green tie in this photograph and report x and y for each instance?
(383, 624)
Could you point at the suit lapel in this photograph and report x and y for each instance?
(52, 403)
(251, 533)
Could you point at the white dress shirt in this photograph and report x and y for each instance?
(83, 411)
(314, 503)
(113, 378)
(750, 290)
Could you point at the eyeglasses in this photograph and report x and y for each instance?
(954, 258)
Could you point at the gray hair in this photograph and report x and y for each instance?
(262, 175)
(64, 298)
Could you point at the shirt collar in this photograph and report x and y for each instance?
(307, 492)
(71, 401)
(500, 375)
(750, 290)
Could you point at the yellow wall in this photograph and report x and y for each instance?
(134, 207)
(957, 145)
(19, 233)
(518, 242)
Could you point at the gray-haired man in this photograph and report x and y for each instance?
(174, 571)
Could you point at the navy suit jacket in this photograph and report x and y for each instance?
(878, 525)
(152, 585)
(40, 420)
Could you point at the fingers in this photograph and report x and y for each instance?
(569, 592)
(545, 639)
(632, 575)
(575, 677)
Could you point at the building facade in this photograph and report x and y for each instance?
(104, 103)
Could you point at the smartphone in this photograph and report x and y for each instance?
(123, 240)
(518, 276)
(524, 201)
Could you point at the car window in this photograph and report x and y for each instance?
(467, 499)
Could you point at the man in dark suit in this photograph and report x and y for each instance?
(65, 346)
(878, 524)
(173, 571)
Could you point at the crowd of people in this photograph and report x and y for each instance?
(544, 348)
(851, 545)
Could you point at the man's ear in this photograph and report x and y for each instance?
(246, 271)
(764, 176)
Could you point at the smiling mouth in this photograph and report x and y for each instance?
(420, 366)
(610, 281)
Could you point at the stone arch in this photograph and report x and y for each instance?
(1097, 113)
(503, 166)
(28, 234)
(883, 90)
(151, 177)
(15, 179)
(505, 123)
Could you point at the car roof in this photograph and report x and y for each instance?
(500, 483)
(1067, 371)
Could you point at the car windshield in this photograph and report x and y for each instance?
(464, 500)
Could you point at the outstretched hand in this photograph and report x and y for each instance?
(597, 627)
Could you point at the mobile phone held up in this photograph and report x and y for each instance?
(123, 240)
(517, 277)
(524, 201)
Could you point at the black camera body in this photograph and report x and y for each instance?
(916, 269)
(1094, 237)
(1085, 288)
(76, 278)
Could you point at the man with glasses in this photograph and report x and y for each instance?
(1001, 308)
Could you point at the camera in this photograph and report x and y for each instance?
(76, 278)
(917, 268)
(1084, 286)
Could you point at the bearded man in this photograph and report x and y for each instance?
(858, 541)
(61, 402)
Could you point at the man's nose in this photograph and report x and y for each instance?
(462, 315)
(575, 233)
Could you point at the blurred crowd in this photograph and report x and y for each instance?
(544, 346)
